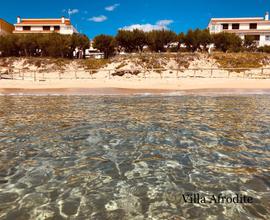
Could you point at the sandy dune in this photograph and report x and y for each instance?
(202, 73)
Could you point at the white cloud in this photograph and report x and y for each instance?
(112, 7)
(143, 27)
(100, 18)
(159, 25)
(71, 11)
(164, 22)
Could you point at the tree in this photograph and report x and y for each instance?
(105, 44)
(58, 45)
(27, 44)
(8, 45)
(191, 40)
(264, 49)
(181, 38)
(205, 38)
(198, 39)
(131, 41)
(124, 40)
(43, 43)
(139, 39)
(250, 43)
(78, 41)
(54, 45)
(158, 39)
(227, 42)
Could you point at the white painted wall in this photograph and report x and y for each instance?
(18, 28)
(64, 29)
(263, 40)
(244, 26)
(242, 36)
(263, 26)
(215, 28)
(36, 28)
(67, 30)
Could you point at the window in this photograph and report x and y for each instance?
(57, 28)
(253, 37)
(225, 26)
(46, 28)
(267, 37)
(235, 26)
(26, 28)
(257, 37)
(253, 26)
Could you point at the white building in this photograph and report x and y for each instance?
(259, 27)
(93, 53)
(33, 25)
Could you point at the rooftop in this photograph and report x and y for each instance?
(43, 21)
(243, 20)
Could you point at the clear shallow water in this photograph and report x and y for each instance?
(133, 157)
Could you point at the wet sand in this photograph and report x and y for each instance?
(123, 92)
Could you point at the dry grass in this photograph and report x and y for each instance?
(241, 60)
(47, 63)
(38, 62)
(183, 60)
(90, 64)
(151, 62)
(7, 61)
(157, 61)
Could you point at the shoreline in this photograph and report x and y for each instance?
(121, 86)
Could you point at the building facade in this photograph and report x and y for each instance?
(5, 27)
(61, 26)
(93, 53)
(258, 27)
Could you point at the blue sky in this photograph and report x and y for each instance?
(94, 17)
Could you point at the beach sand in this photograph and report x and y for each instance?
(76, 80)
(120, 85)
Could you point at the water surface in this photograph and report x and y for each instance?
(104, 157)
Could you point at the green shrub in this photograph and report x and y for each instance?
(264, 49)
(105, 44)
(241, 60)
(157, 39)
(131, 41)
(197, 39)
(227, 42)
(52, 45)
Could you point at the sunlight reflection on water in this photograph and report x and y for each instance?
(87, 157)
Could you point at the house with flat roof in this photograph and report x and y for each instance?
(5, 27)
(258, 27)
(42, 25)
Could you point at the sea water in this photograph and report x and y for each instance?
(134, 157)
